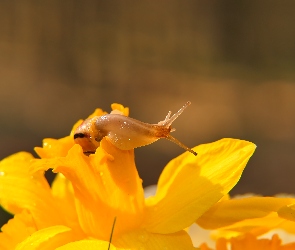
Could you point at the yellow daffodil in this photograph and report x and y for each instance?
(90, 192)
(245, 221)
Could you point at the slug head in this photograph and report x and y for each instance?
(88, 136)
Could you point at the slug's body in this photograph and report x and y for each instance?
(124, 132)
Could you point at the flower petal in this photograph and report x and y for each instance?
(225, 213)
(16, 230)
(287, 212)
(87, 245)
(110, 182)
(141, 239)
(47, 239)
(255, 226)
(190, 185)
(106, 185)
(55, 147)
(255, 215)
(63, 193)
(97, 112)
(121, 108)
(21, 190)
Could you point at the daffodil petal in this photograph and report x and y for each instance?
(55, 147)
(141, 239)
(106, 185)
(20, 190)
(109, 181)
(47, 239)
(88, 245)
(121, 108)
(255, 215)
(228, 212)
(255, 226)
(97, 112)
(62, 189)
(287, 212)
(63, 193)
(190, 185)
(16, 230)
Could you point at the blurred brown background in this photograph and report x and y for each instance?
(234, 60)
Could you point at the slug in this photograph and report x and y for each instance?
(124, 132)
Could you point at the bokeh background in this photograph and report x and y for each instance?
(234, 60)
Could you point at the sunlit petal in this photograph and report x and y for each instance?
(97, 112)
(20, 190)
(63, 193)
(88, 245)
(47, 239)
(287, 212)
(255, 226)
(55, 147)
(190, 185)
(17, 230)
(121, 108)
(225, 213)
(141, 239)
(106, 185)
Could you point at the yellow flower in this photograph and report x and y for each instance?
(239, 222)
(89, 192)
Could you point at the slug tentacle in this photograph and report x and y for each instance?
(168, 121)
(124, 132)
(173, 139)
(162, 123)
